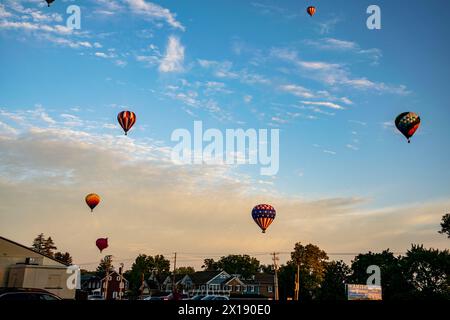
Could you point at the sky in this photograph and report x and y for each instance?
(348, 181)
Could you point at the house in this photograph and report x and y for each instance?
(261, 284)
(114, 286)
(22, 267)
(222, 283)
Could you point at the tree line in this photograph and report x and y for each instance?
(421, 273)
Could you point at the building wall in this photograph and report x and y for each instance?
(11, 254)
(50, 278)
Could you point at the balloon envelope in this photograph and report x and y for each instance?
(102, 243)
(263, 215)
(92, 200)
(311, 10)
(407, 123)
(126, 120)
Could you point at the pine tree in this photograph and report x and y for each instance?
(39, 243)
(63, 257)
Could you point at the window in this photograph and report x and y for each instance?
(252, 288)
(269, 289)
(238, 288)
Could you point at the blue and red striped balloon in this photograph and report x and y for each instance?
(263, 215)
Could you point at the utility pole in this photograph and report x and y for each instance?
(275, 267)
(108, 263)
(174, 269)
(297, 282)
(121, 285)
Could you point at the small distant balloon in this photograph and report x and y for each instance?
(311, 10)
(102, 244)
(263, 215)
(49, 2)
(126, 120)
(407, 123)
(92, 200)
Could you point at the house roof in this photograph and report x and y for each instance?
(202, 277)
(261, 278)
(30, 249)
(114, 273)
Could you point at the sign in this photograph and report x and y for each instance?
(363, 292)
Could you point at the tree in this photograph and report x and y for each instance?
(185, 270)
(39, 243)
(63, 257)
(393, 281)
(312, 261)
(445, 225)
(210, 265)
(267, 268)
(143, 267)
(44, 246)
(428, 272)
(104, 266)
(243, 265)
(335, 277)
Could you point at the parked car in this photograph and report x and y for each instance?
(96, 297)
(26, 294)
(198, 297)
(215, 297)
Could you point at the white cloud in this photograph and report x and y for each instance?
(154, 11)
(353, 147)
(62, 165)
(333, 74)
(174, 57)
(28, 26)
(324, 104)
(297, 90)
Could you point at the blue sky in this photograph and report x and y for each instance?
(332, 87)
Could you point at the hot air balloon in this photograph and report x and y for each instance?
(102, 244)
(126, 120)
(92, 200)
(311, 10)
(407, 123)
(263, 214)
(49, 2)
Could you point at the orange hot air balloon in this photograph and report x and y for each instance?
(311, 10)
(126, 120)
(92, 200)
(102, 244)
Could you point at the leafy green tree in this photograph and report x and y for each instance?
(143, 267)
(312, 262)
(244, 265)
(428, 272)
(210, 265)
(63, 257)
(185, 270)
(445, 225)
(336, 275)
(393, 282)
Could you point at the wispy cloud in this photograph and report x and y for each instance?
(174, 56)
(224, 69)
(297, 90)
(324, 104)
(155, 11)
(333, 74)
